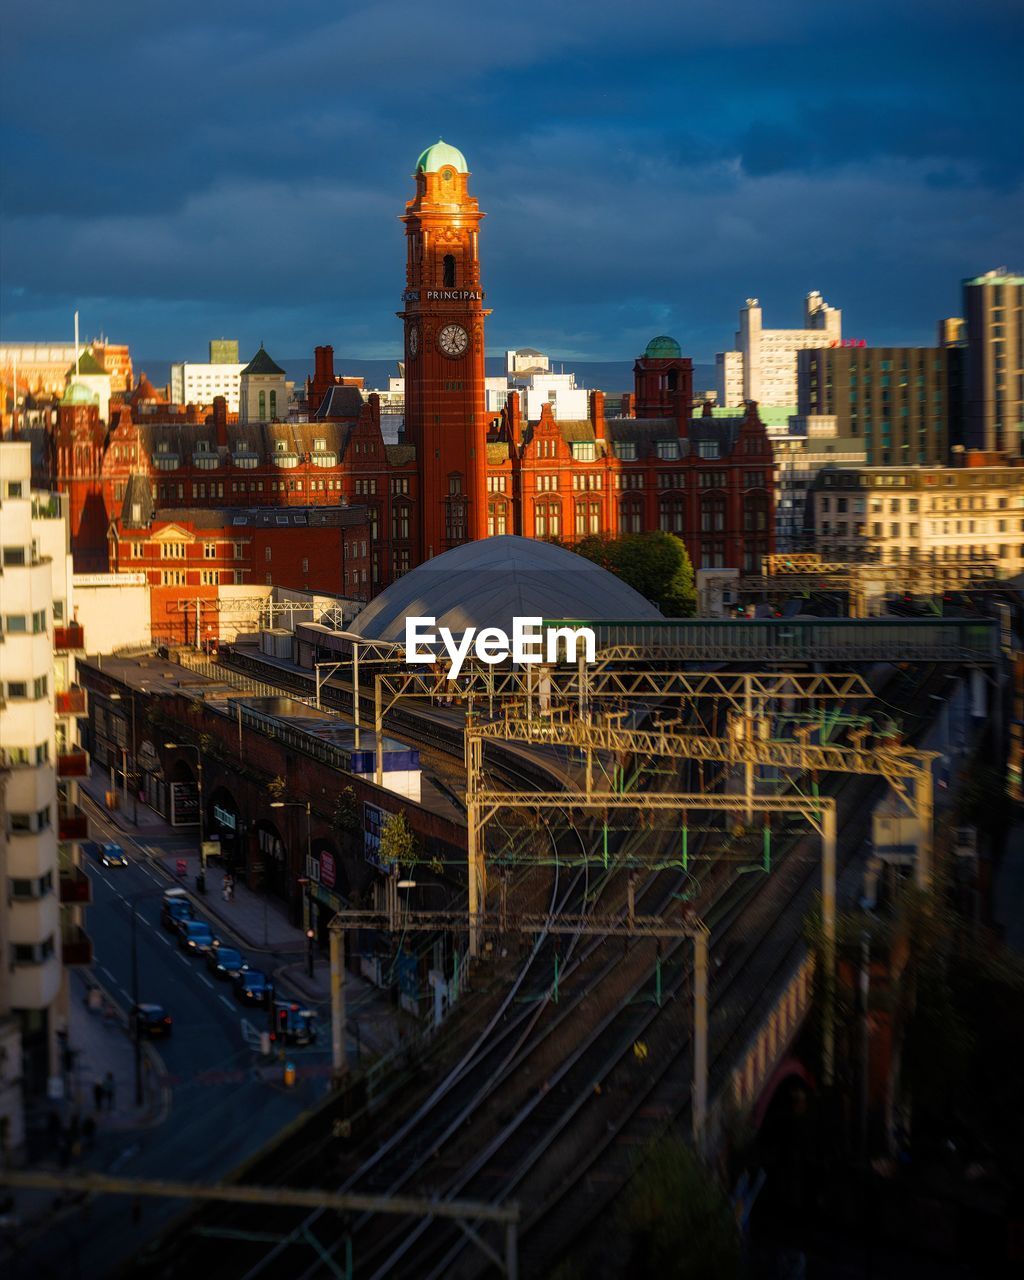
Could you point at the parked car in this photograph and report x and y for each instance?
(293, 1024)
(225, 962)
(174, 912)
(195, 936)
(151, 1020)
(253, 987)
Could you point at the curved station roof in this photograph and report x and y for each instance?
(490, 582)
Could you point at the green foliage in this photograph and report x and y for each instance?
(277, 787)
(397, 842)
(345, 817)
(677, 1219)
(655, 564)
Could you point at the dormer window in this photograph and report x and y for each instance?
(584, 451)
(625, 451)
(202, 446)
(320, 444)
(163, 447)
(280, 446)
(668, 450)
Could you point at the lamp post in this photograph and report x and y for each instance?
(304, 880)
(136, 1028)
(191, 746)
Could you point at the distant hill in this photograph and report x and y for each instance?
(605, 375)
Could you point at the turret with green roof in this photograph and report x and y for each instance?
(440, 154)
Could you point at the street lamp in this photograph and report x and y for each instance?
(191, 746)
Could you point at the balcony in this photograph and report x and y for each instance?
(76, 946)
(73, 764)
(72, 702)
(69, 637)
(75, 887)
(72, 823)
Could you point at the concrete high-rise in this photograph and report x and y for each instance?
(994, 384)
(42, 889)
(768, 356)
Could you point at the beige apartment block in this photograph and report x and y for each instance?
(894, 515)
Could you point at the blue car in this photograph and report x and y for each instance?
(174, 913)
(195, 936)
(225, 962)
(254, 987)
(107, 855)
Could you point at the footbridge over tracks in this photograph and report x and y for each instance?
(775, 640)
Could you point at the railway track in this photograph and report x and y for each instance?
(513, 1044)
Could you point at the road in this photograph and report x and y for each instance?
(225, 1102)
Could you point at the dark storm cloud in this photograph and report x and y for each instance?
(182, 170)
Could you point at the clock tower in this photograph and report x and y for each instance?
(445, 405)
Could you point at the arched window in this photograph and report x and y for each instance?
(755, 513)
(497, 519)
(263, 406)
(631, 515)
(670, 514)
(712, 513)
(400, 521)
(449, 271)
(547, 519)
(273, 404)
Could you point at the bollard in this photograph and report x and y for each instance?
(265, 1043)
(289, 1075)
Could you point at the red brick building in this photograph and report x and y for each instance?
(166, 475)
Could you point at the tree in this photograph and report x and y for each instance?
(677, 1219)
(397, 842)
(655, 564)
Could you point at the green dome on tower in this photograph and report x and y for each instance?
(663, 348)
(436, 157)
(77, 393)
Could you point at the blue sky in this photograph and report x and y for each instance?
(190, 170)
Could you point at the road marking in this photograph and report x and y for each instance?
(182, 957)
(108, 973)
(203, 978)
(165, 940)
(225, 1000)
(123, 992)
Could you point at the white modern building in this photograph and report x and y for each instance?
(766, 369)
(526, 360)
(43, 891)
(200, 383)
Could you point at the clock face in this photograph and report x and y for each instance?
(453, 340)
(414, 341)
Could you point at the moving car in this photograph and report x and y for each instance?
(225, 962)
(174, 913)
(106, 854)
(253, 987)
(195, 936)
(151, 1020)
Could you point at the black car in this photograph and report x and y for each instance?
(253, 987)
(225, 962)
(151, 1020)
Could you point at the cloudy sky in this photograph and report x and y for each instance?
(233, 167)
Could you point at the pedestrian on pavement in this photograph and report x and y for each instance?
(109, 1090)
(98, 1092)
